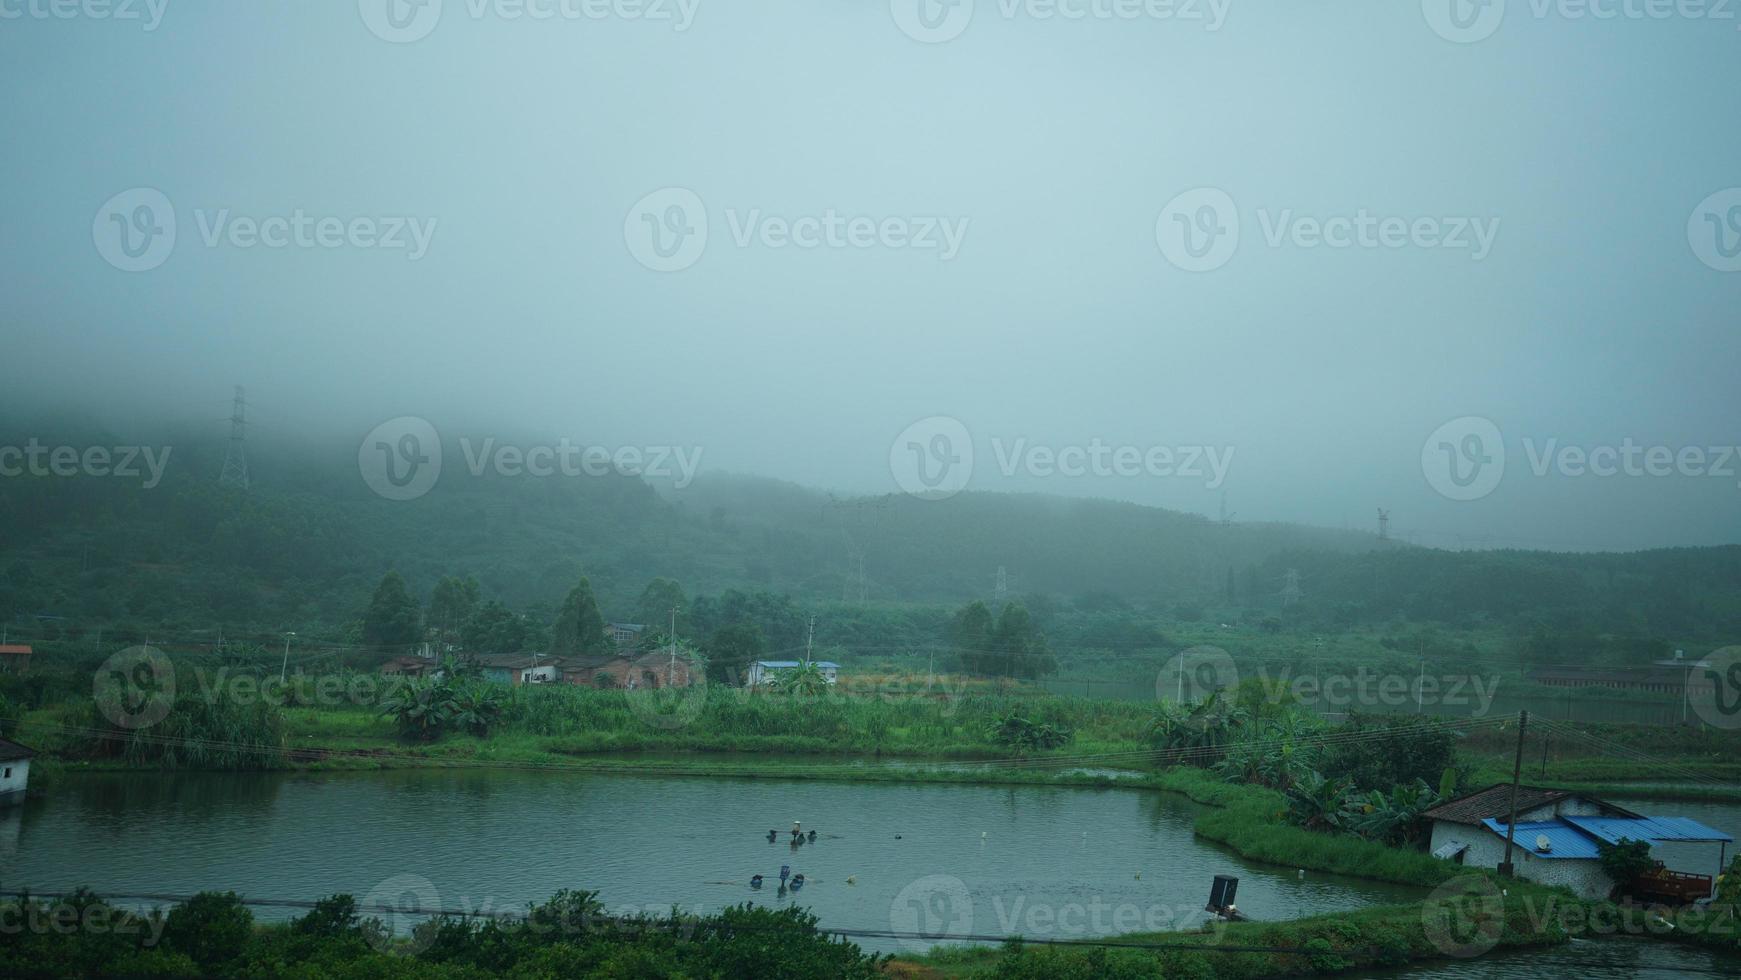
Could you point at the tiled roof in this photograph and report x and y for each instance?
(1612, 829)
(1495, 801)
(11, 751)
(15, 648)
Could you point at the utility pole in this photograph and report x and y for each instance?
(1420, 688)
(809, 639)
(283, 667)
(1505, 867)
(1181, 695)
(671, 671)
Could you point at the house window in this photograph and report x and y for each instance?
(8, 774)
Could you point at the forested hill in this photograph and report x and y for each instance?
(306, 544)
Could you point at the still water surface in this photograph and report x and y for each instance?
(1053, 861)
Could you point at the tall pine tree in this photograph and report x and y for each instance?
(393, 618)
(579, 629)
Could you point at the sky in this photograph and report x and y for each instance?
(1298, 261)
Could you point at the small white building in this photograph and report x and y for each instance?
(1555, 841)
(763, 672)
(14, 771)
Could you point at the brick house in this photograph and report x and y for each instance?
(14, 658)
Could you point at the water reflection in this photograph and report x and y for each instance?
(501, 839)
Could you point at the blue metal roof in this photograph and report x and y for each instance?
(1612, 829)
(1564, 840)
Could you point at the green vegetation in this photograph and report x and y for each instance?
(215, 934)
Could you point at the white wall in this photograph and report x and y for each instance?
(12, 787)
(1584, 876)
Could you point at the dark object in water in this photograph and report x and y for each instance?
(755, 881)
(897, 837)
(1221, 897)
(771, 836)
(785, 872)
(798, 881)
(812, 836)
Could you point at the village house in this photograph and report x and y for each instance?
(763, 672)
(1555, 841)
(14, 771)
(624, 635)
(624, 669)
(14, 658)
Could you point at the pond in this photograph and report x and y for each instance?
(921, 858)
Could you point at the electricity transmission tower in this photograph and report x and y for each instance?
(1291, 587)
(1383, 524)
(236, 458)
(1001, 592)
